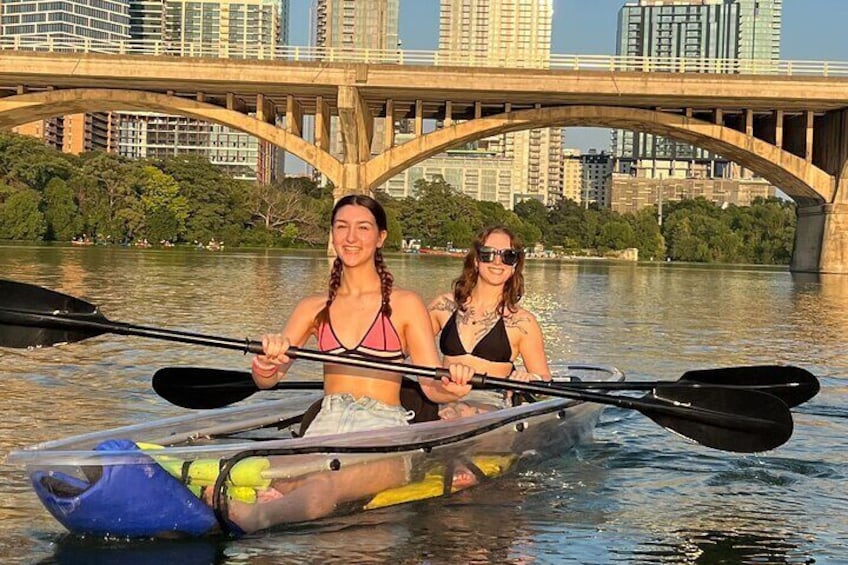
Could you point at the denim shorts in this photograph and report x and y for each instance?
(342, 413)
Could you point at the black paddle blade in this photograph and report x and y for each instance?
(19, 299)
(739, 420)
(793, 385)
(203, 389)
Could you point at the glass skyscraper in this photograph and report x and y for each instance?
(732, 30)
(101, 21)
(219, 28)
(357, 24)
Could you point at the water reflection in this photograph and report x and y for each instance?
(638, 494)
(71, 550)
(707, 547)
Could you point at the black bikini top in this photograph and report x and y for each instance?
(494, 346)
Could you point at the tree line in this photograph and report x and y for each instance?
(47, 195)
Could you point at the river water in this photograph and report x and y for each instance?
(638, 494)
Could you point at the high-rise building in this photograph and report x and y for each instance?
(630, 194)
(482, 176)
(759, 29)
(96, 20)
(572, 175)
(237, 27)
(152, 135)
(146, 20)
(102, 20)
(695, 29)
(597, 169)
(346, 25)
(487, 32)
(509, 34)
(357, 24)
(221, 28)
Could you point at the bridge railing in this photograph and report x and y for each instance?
(604, 63)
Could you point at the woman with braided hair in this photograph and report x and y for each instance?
(362, 315)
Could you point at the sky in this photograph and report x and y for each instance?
(812, 30)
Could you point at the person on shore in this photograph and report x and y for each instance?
(480, 323)
(362, 315)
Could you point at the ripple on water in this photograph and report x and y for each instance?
(640, 494)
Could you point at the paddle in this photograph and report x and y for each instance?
(729, 419)
(203, 388)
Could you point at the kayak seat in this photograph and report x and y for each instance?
(63, 485)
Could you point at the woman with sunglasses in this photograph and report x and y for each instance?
(482, 325)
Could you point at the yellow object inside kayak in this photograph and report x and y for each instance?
(244, 480)
(433, 483)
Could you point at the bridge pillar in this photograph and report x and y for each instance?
(357, 128)
(821, 239)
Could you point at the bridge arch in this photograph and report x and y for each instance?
(24, 108)
(802, 181)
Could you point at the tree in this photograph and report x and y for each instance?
(26, 162)
(109, 195)
(61, 212)
(646, 233)
(219, 204)
(21, 217)
(533, 212)
(165, 209)
(615, 235)
(286, 212)
(432, 215)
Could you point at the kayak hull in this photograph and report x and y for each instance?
(242, 469)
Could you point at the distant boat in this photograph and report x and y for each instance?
(442, 252)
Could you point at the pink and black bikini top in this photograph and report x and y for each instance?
(381, 341)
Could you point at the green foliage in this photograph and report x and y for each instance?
(61, 211)
(534, 213)
(109, 196)
(45, 194)
(165, 209)
(21, 218)
(646, 234)
(764, 233)
(26, 162)
(615, 234)
(217, 200)
(440, 214)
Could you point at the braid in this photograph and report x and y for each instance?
(386, 282)
(323, 317)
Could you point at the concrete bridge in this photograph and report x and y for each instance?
(788, 124)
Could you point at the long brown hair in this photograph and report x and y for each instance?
(513, 288)
(386, 278)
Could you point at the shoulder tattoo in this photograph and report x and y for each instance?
(518, 321)
(443, 304)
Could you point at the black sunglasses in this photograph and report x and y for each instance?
(509, 256)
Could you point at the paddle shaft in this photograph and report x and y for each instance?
(96, 322)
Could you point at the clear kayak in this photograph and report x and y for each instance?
(243, 469)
